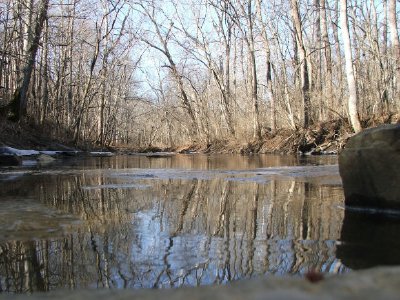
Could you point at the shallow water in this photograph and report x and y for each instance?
(142, 222)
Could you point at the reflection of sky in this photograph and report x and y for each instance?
(156, 252)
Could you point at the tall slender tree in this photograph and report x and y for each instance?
(304, 73)
(351, 80)
(394, 39)
(268, 66)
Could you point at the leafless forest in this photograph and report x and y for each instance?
(170, 72)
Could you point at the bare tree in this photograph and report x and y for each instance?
(19, 104)
(254, 78)
(217, 65)
(163, 47)
(327, 54)
(394, 39)
(304, 74)
(247, 30)
(351, 81)
(268, 69)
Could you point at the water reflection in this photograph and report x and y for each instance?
(369, 239)
(201, 161)
(143, 230)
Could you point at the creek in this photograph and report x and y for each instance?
(182, 220)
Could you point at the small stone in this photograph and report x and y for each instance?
(314, 276)
(44, 158)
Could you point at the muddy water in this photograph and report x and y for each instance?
(150, 222)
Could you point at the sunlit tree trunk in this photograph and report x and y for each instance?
(351, 81)
(327, 56)
(45, 76)
(316, 67)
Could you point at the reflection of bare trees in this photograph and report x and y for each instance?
(178, 232)
(22, 269)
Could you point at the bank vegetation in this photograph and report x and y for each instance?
(162, 74)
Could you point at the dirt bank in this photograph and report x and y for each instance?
(322, 138)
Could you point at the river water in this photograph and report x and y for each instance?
(181, 220)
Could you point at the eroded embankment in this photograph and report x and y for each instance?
(322, 138)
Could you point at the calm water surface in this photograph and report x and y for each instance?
(140, 222)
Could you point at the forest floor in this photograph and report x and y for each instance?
(322, 138)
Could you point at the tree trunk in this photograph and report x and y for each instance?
(316, 75)
(327, 55)
(351, 81)
(304, 75)
(254, 94)
(70, 96)
(338, 50)
(394, 39)
(268, 69)
(385, 27)
(19, 104)
(45, 76)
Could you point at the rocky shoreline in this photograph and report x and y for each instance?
(15, 157)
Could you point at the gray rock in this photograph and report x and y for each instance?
(44, 158)
(370, 168)
(101, 153)
(379, 283)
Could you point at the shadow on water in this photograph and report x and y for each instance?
(154, 223)
(369, 239)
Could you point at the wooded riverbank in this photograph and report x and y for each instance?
(323, 138)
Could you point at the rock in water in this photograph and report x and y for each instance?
(370, 168)
(9, 160)
(44, 158)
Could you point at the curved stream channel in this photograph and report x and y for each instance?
(160, 222)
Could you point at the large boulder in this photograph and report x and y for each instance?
(370, 168)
